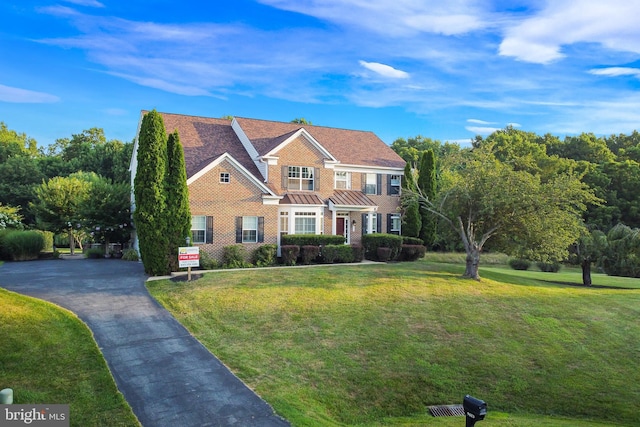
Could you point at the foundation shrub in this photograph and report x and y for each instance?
(289, 254)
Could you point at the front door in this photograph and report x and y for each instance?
(342, 227)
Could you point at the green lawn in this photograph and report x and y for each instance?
(47, 355)
(377, 344)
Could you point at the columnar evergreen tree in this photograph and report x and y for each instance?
(411, 220)
(150, 194)
(427, 185)
(178, 213)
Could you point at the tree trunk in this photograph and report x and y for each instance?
(586, 273)
(473, 263)
(72, 242)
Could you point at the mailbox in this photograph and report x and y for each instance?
(474, 409)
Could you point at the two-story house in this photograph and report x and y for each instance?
(251, 181)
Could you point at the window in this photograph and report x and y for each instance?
(198, 229)
(305, 222)
(371, 184)
(249, 229)
(393, 223)
(394, 184)
(370, 223)
(342, 180)
(201, 229)
(225, 178)
(284, 223)
(300, 178)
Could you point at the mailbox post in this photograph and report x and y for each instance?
(474, 409)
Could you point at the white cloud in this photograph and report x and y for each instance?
(90, 3)
(482, 130)
(25, 96)
(616, 72)
(480, 122)
(396, 18)
(384, 70)
(540, 38)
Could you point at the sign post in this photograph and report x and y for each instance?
(188, 257)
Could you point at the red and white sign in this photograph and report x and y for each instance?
(189, 256)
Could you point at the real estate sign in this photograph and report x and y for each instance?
(189, 256)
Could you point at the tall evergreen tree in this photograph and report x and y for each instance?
(178, 212)
(427, 185)
(411, 219)
(150, 194)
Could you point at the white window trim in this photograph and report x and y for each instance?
(346, 180)
(204, 229)
(249, 229)
(300, 179)
(225, 178)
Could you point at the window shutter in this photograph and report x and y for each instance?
(364, 224)
(378, 223)
(285, 177)
(379, 184)
(209, 237)
(238, 229)
(389, 189)
(260, 229)
(316, 179)
(389, 223)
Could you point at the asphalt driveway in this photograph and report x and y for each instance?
(165, 374)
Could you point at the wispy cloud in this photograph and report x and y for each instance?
(90, 3)
(385, 70)
(541, 37)
(616, 72)
(25, 96)
(480, 122)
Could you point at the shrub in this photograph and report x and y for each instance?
(22, 245)
(94, 253)
(309, 253)
(549, 267)
(330, 253)
(383, 254)
(358, 253)
(311, 239)
(130, 255)
(235, 256)
(289, 254)
(207, 262)
(519, 264)
(4, 252)
(412, 252)
(48, 240)
(265, 255)
(372, 242)
(406, 240)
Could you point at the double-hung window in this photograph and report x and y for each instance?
(371, 183)
(394, 184)
(300, 178)
(342, 180)
(249, 229)
(394, 222)
(201, 229)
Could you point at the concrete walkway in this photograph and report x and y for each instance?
(165, 374)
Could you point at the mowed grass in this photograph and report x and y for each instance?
(377, 344)
(47, 355)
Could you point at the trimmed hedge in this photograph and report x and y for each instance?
(406, 240)
(383, 254)
(311, 239)
(309, 253)
(289, 254)
(372, 242)
(337, 253)
(358, 253)
(412, 252)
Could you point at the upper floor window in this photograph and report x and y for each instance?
(225, 178)
(342, 180)
(371, 184)
(394, 184)
(300, 178)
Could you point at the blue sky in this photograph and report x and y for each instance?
(447, 70)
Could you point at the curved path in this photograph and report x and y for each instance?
(165, 374)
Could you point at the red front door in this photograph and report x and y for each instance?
(340, 226)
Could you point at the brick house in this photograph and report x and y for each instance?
(251, 181)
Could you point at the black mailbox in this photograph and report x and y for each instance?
(474, 409)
